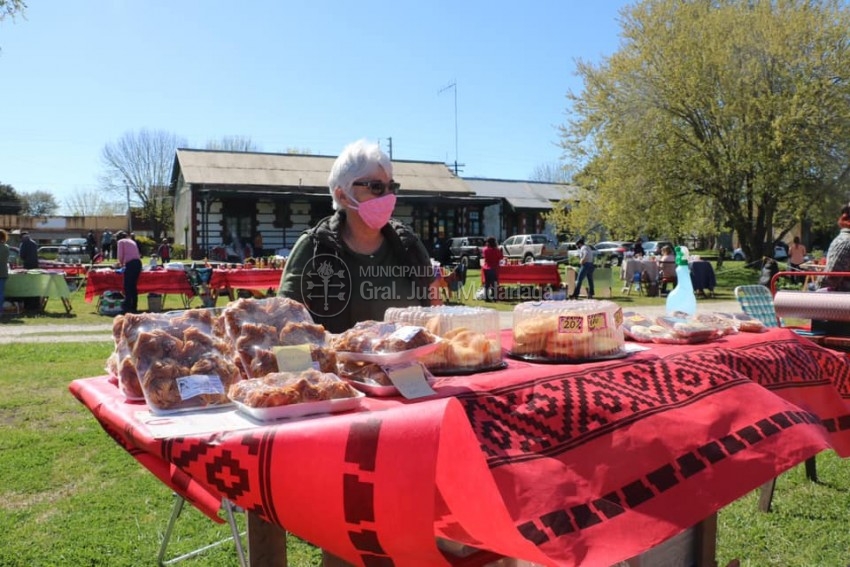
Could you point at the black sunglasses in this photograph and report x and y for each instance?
(379, 188)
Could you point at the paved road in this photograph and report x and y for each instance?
(12, 333)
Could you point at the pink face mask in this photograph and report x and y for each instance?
(375, 212)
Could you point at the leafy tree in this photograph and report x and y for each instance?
(38, 204)
(8, 8)
(233, 144)
(139, 165)
(715, 114)
(10, 201)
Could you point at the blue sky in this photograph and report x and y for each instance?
(313, 75)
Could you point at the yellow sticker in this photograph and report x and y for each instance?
(293, 358)
(597, 322)
(618, 317)
(410, 380)
(570, 324)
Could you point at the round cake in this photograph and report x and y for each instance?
(470, 336)
(567, 330)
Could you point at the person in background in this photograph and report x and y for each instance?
(666, 267)
(4, 268)
(130, 259)
(367, 261)
(164, 251)
(838, 255)
(492, 256)
(796, 257)
(586, 267)
(28, 252)
(258, 245)
(91, 245)
(106, 244)
(638, 248)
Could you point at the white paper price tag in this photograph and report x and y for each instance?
(410, 380)
(198, 384)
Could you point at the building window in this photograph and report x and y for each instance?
(474, 222)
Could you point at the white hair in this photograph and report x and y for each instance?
(358, 160)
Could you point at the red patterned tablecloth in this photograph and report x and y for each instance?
(556, 464)
(246, 278)
(539, 274)
(154, 281)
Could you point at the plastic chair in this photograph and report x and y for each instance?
(235, 535)
(757, 301)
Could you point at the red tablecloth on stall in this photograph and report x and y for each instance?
(247, 278)
(556, 464)
(152, 281)
(539, 274)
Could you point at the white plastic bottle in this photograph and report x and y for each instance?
(682, 298)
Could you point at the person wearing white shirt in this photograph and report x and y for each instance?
(585, 258)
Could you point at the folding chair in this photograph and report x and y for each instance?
(235, 535)
(757, 301)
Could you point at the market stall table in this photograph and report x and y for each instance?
(702, 277)
(556, 464)
(162, 281)
(41, 284)
(257, 279)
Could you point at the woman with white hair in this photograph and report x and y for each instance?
(355, 264)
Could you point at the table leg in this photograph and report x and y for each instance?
(67, 303)
(705, 542)
(266, 543)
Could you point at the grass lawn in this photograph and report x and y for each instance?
(70, 496)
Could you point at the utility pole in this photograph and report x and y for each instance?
(453, 85)
(390, 143)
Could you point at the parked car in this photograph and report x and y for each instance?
(613, 251)
(531, 247)
(466, 250)
(779, 253)
(52, 252)
(44, 264)
(653, 247)
(76, 251)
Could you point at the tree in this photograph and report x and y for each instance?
(716, 114)
(8, 8)
(233, 144)
(38, 204)
(93, 203)
(10, 201)
(550, 173)
(139, 165)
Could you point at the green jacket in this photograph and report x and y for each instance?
(341, 287)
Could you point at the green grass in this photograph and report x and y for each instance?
(70, 496)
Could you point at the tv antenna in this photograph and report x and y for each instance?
(453, 86)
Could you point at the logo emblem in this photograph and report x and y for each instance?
(326, 285)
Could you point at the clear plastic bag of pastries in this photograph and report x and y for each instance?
(181, 359)
(568, 331)
(470, 336)
(257, 328)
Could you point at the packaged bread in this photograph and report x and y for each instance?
(180, 360)
(126, 330)
(287, 388)
(260, 329)
(744, 322)
(688, 329)
(382, 337)
(566, 331)
(470, 336)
